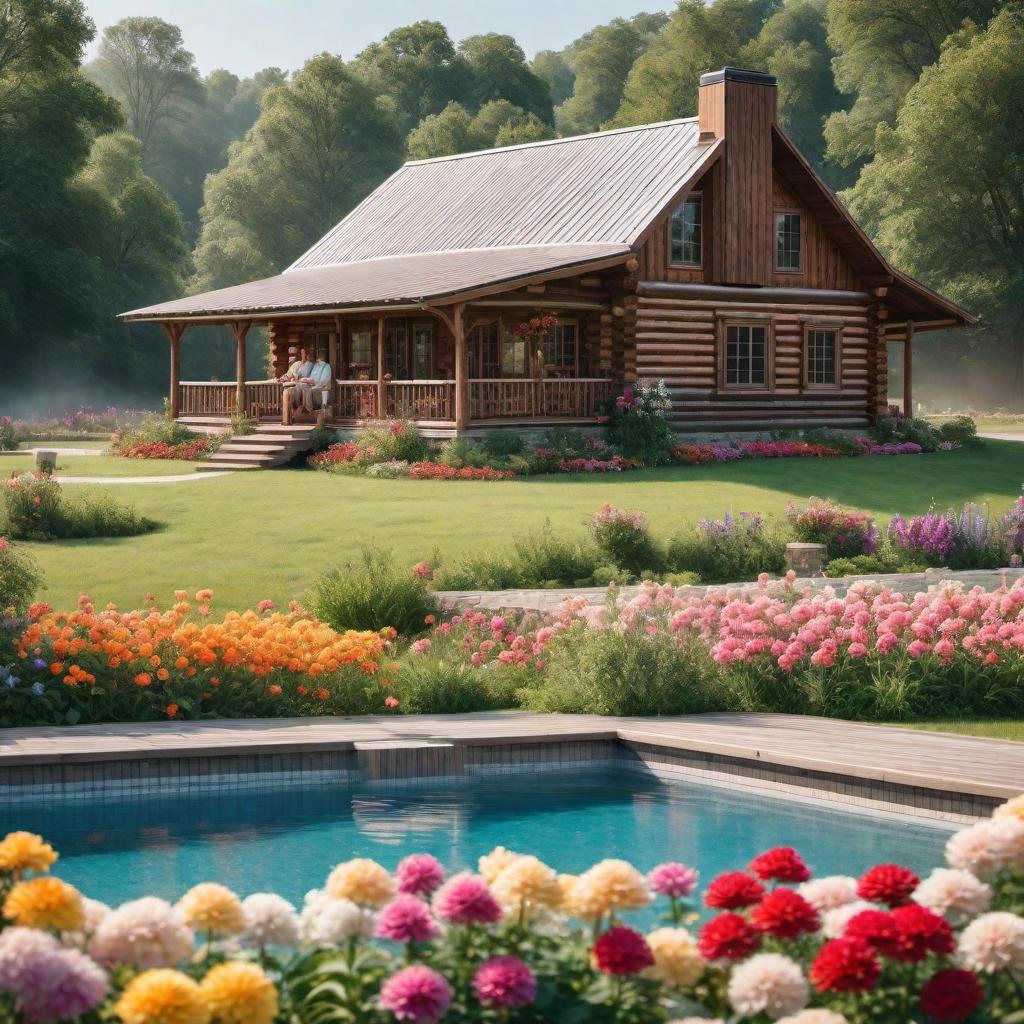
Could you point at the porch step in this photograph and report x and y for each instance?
(269, 445)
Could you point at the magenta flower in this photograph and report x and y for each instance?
(673, 880)
(420, 874)
(416, 993)
(505, 981)
(406, 919)
(466, 899)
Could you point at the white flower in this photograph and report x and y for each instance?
(326, 920)
(768, 983)
(993, 942)
(834, 922)
(828, 893)
(143, 933)
(955, 892)
(270, 921)
(95, 912)
(988, 847)
(815, 1017)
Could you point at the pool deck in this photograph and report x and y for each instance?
(944, 762)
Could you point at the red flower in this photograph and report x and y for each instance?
(920, 931)
(951, 995)
(785, 914)
(845, 965)
(622, 951)
(875, 927)
(728, 937)
(732, 890)
(783, 864)
(887, 883)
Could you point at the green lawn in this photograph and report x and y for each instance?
(999, 729)
(99, 442)
(99, 465)
(269, 533)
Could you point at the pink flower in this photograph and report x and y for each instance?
(419, 873)
(390, 702)
(423, 570)
(466, 899)
(416, 993)
(406, 919)
(505, 981)
(420, 646)
(674, 880)
(265, 605)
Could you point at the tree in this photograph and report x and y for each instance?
(944, 194)
(517, 131)
(499, 71)
(553, 68)
(443, 134)
(883, 46)
(322, 143)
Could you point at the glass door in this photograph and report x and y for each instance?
(422, 351)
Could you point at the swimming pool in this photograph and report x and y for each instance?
(286, 839)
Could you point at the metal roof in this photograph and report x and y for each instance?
(392, 280)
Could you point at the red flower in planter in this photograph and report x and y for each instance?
(733, 890)
(875, 927)
(785, 914)
(783, 864)
(951, 995)
(728, 937)
(845, 965)
(920, 931)
(887, 883)
(622, 951)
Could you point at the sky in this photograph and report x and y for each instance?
(246, 35)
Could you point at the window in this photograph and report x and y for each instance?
(396, 350)
(687, 219)
(422, 351)
(513, 356)
(560, 349)
(787, 241)
(746, 355)
(360, 348)
(485, 351)
(822, 348)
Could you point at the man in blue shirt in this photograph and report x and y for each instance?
(317, 382)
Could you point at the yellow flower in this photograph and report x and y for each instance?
(213, 909)
(566, 888)
(25, 851)
(492, 864)
(607, 887)
(676, 959)
(45, 903)
(239, 993)
(362, 881)
(527, 881)
(1011, 809)
(162, 996)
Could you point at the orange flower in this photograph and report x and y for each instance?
(274, 691)
(56, 668)
(301, 691)
(181, 662)
(321, 693)
(430, 620)
(143, 679)
(163, 675)
(172, 710)
(203, 595)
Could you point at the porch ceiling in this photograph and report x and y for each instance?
(395, 280)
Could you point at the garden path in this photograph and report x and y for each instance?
(174, 478)
(548, 600)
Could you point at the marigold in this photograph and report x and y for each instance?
(171, 710)
(45, 902)
(25, 851)
(239, 993)
(362, 881)
(213, 909)
(162, 996)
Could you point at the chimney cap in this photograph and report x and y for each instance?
(738, 75)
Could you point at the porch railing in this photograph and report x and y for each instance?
(217, 398)
(576, 397)
(356, 400)
(420, 399)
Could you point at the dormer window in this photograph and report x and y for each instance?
(787, 242)
(687, 219)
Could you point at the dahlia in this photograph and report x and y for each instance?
(676, 881)
(326, 921)
(993, 942)
(783, 864)
(239, 993)
(270, 920)
(845, 965)
(420, 874)
(920, 931)
(875, 927)
(527, 881)
(607, 887)
(490, 865)
(988, 847)
(834, 922)
(362, 881)
(951, 995)
(1012, 808)
(466, 899)
(828, 893)
(815, 1017)
(45, 902)
(677, 961)
(954, 892)
(144, 933)
(728, 937)
(93, 913)
(622, 951)
(162, 997)
(406, 919)
(416, 993)
(768, 983)
(504, 981)
(733, 890)
(892, 884)
(212, 908)
(25, 851)
(785, 914)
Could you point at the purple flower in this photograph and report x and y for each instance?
(416, 993)
(419, 873)
(406, 919)
(673, 880)
(505, 981)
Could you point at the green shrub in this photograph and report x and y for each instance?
(920, 432)
(373, 593)
(320, 438)
(623, 537)
(152, 428)
(459, 452)
(20, 578)
(565, 442)
(682, 579)
(392, 440)
(32, 502)
(885, 560)
(429, 685)
(8, 436)
(638, 426)
(626, 672)
(100, 515)
(844, 532)
(393, 470)
(960, 430)
(605, 575)
(501, 444)
(729, 550)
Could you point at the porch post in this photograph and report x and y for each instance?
(908, 371)
(174, 334)
(461, 368)
(239, 329)
(381, 386)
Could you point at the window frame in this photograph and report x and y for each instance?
(767, 323)
(574, 369)
(830, 327)
(414, 327)
(682, 264)
(476, 342)
(787, 211)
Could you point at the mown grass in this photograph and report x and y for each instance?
(270, 533)
(98, 465)
(998, 729)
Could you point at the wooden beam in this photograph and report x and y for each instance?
(381, 386)
(240, 328)
(908, 371)
(461, 368)
(174, 332)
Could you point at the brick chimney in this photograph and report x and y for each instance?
(739, 106)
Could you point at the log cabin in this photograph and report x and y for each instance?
(703, 251)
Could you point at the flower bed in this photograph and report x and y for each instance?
(518, 941)
(187, 450)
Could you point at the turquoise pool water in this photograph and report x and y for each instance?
(287, 839)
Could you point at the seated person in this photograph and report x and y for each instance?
(318, 380)
(299, 366)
